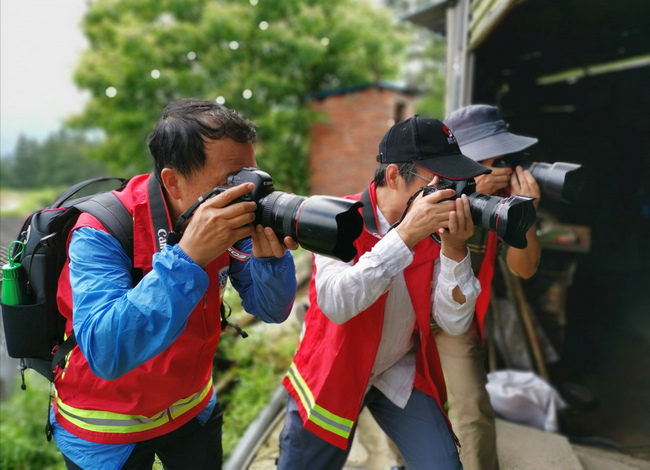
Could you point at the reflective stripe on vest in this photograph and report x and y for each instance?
(108, 422)
(317, 414)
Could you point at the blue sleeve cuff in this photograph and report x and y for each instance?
(267, 287)
(177, 250)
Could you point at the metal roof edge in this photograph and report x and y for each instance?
(432, 16)
(355, 88)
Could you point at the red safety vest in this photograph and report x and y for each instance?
(331, 368)
(484, 276)
(166, 391)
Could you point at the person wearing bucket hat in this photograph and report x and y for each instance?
(367, 339)
(482, 133)
(483, 136)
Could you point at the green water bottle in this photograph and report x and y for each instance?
(14, 281)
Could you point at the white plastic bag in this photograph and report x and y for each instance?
(525, 398)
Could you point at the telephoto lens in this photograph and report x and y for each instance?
(560, 181)
(322, 224)
(325, 225)
(510, 217)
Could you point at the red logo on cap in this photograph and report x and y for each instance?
(451, 138)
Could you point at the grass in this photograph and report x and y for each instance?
(261, 360)
(22, 428)
(21, 203)
(259, 364)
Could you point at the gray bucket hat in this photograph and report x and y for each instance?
(482, 133)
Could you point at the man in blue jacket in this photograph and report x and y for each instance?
(139, 382)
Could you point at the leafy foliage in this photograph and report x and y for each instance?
(256, 379)
(258, 363)
(431, 76)
(262, 58)
(22, 427)
(426, 61)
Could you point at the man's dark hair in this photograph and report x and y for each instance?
(179, 136)
(406, 170)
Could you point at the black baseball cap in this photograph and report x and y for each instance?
(428, 143)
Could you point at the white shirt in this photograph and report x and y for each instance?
(345, 289)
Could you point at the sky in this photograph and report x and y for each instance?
(40, 45)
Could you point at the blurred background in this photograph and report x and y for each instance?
(83, 82)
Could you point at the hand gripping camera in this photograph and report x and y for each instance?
(560, 181)
(325, 225)
(510, 217)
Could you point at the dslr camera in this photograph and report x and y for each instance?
(325, 225)
(510, 217)
(560, 181)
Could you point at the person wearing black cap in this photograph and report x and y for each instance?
(367, 339)
(483, 136)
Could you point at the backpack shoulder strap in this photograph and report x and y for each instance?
(73, 190)
(109, 210)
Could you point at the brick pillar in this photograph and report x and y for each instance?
(344, 145)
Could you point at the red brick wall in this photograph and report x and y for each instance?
(345, 144)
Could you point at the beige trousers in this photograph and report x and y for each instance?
(470, 411)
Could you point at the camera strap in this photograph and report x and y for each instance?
(160, 220)
(434, 236)
(370, 218)
(161, 228)
(408, 205)
(369, 215)
(174, 236)
(225, 323)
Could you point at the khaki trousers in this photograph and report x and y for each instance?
(470, 411)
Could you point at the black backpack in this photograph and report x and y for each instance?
(34, 333)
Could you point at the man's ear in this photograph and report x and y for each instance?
(392, 176)
(172, 181)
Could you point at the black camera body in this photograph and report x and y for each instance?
(510, 218)
(323, 224)
(461, 187)
(560, 181)
(262, 181)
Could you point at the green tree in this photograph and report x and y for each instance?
(430, 76)
(426, 63)
(61, 160)
(263, 58)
